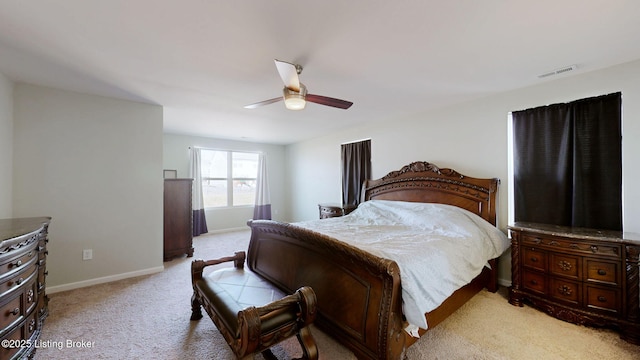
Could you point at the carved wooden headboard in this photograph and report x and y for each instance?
(425, 182)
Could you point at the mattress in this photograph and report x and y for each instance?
(439, 248)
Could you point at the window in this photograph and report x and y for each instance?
(229, 178)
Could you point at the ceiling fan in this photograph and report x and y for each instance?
(295, 94)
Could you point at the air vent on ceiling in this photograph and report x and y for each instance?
(559, 71)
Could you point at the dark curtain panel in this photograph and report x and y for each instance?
(568, 163)
(356, 168)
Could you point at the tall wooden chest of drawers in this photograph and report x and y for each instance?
(23, 302)
(178, 218)
(582, 276)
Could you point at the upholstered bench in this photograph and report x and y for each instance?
(251, 313)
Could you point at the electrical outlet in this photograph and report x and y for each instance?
(87, 254)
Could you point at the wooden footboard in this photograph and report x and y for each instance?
(359, 296)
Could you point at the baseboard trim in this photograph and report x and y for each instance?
(102, 280)
(221, 231)
(504, 282)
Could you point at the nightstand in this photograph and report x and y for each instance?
(329, 210)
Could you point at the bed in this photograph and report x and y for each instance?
(359, 292)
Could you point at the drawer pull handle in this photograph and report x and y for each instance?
(17, 282)
(534, 259)
(564, 265)
(602, 272)
(537, 240)
(17, 263)
(565, 290)
(594, 249)
(602, 298)
(553, 242)
(574, 246)
(15, 311)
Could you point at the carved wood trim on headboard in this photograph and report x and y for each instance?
(425, 182)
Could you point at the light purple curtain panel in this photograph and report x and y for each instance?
(262, 209)
(197, 201)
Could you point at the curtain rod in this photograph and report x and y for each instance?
(355, 141)
(229, 150)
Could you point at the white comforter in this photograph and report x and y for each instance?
(439, 248)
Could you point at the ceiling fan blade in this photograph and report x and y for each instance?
(289, 74)
(328, 101)
(262, 103)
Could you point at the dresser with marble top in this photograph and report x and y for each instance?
(584, 276)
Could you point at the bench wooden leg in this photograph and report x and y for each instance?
(309, 348)
(196, 308)
(308, 345)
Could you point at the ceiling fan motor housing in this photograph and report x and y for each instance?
(295, 100)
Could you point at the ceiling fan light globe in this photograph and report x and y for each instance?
(294, 102)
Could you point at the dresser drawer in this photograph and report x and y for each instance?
(565, 290)
(534, 281)
(602, 272)
(17, 336)
(14, 264)
(18, 280)
(575, 247)
(11, 311)
(13, 336)
(534, 258)
(565, 265)
(603, 299)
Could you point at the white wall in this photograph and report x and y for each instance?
(6, 147)
(471, 138)
(93, 164)
(176, 157)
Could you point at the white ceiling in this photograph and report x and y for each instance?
(203, 60)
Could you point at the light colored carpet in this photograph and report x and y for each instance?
(148, 317)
